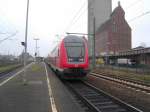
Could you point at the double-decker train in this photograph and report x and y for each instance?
(69, 59)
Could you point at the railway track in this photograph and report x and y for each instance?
(97, 100)
(124, 78)
(8, 72)
(132, 84)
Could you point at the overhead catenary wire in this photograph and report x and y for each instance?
(133, 4)
(76, 15)
(139, 16)
(9, 37)
(79, 15)
(5, 33)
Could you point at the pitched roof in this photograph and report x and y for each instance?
(118, 9)
(104, 26)
(107, 23)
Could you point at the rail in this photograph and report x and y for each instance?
(132, 84)
(97, 100)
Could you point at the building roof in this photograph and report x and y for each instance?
(117, 11)
(104, 26)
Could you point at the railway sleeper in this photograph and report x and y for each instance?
(114, 110)
(102, 103)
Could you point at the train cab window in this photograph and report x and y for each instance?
(75, 48)
(75, 51)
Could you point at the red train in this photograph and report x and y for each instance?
(70, 58)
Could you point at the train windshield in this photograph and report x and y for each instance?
(75, 49)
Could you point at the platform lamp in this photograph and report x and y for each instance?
(25, 43)
(36, 47)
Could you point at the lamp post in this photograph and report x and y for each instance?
(36, 48)
(25, 45)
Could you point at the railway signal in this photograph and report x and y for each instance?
(23, 44)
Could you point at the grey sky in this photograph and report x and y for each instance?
(49, 19)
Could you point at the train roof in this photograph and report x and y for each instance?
(73, 38)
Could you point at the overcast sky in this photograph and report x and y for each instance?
(50, 19)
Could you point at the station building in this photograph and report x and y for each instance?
(114, 35)
(140, 55)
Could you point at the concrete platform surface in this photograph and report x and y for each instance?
(33, 97)
(43, 92)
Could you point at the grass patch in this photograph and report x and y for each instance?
(6, 68)
(36, 67)
(143, 78)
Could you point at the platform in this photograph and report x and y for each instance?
(43, 92)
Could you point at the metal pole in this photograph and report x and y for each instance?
(26, 34)
(68, 33)
(38, 51)
(107, 52)
(36, 47)
(93, 47)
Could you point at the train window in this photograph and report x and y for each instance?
(75, 49)
(58, 52)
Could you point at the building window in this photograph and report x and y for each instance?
(114, 27)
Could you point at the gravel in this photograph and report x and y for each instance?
(136, 98)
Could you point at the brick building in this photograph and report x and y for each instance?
(114, 35)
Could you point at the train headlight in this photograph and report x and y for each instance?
(81, 59)
(70, 59)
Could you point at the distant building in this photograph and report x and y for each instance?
(114, 35)
(28, 56)
(140, 55)
(8, 59)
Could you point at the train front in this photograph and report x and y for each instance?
(75, 57)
